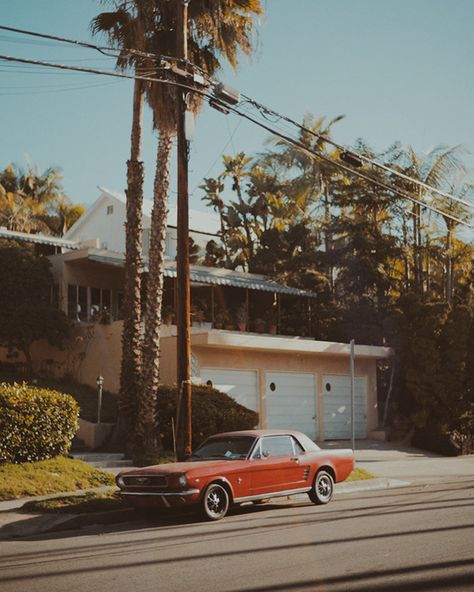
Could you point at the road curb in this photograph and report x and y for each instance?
(369, 485)
(24, 525)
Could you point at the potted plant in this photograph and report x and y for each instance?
(260, 325)
(228, 322)
(241, 317)
(271, 319)
(197, 316)
(168, 315)
(219, 320)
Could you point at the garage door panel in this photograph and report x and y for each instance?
(290, 402)
(241, 385)
(337, 407)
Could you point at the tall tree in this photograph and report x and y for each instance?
(436, 168)
(34, 202)
(217, 31)
(127, 29)
(26, 311)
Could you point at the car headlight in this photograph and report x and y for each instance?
(182, 481)
(119, 480)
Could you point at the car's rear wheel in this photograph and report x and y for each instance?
(323, 488)
(215, 502)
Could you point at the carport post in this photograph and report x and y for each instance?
(352, 394)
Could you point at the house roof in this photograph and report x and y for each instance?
(43, 239)
(209, 275)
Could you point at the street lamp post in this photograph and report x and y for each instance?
(100, 384)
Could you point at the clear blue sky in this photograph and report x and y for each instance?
(397, 70)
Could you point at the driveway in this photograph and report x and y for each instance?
(394, 460)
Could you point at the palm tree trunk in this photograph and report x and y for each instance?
(130, 371)
(416, 278)
(449, 265)
(248, 252)
(328, 234)
(147, 433)
(406, 254)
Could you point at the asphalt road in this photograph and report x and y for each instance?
(412, 539)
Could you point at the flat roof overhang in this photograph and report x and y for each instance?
(275, 343)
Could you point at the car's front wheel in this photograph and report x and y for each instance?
(215, 502)
(323, 488)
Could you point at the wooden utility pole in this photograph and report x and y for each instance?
(184, 338)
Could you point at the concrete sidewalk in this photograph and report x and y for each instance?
(395, 460)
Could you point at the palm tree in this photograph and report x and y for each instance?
(34, 202)
(436, 169)
(218, 30)
(463, 190)
(126, 29)
(312, 183)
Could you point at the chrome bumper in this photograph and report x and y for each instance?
(160, 494)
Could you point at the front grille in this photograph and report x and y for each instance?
(145, 480)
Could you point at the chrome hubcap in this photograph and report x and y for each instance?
(216, 502)
(324, 487)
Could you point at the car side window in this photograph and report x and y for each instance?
(257, 451)
(276, 446)
(298, 448)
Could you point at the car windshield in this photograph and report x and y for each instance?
(225, 448)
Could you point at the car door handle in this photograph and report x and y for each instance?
(296, 459)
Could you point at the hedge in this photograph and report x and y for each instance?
(35, 423)
(212, 412)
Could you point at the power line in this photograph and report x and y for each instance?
(383, 185)
(264, 109)
(104, 49)
(386, 186)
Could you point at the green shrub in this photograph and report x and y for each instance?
(212, 412)
(35, 423)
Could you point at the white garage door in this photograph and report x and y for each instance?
(337, 407)
(290, 402)
(241, 385)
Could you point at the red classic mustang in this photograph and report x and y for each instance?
(238, 467)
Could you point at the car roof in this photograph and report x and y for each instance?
(259, 433)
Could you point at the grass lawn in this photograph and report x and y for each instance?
(359, 474)
(88, 503)
(49, 476)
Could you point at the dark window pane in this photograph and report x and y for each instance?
(231, 448)
(277, 446)
(298, 448)
(72, 302)
(82, 303)
(106, 300)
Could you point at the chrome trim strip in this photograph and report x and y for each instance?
(160, 493)
(249, 498)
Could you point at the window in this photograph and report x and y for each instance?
(110, 210)
(230, 448)
(276, 446)
(298, 448)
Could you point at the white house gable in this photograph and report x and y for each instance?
(105, 220)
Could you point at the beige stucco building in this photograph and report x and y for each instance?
(292, 381)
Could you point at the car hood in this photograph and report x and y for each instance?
(184, 467)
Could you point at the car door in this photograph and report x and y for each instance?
(276, 466)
